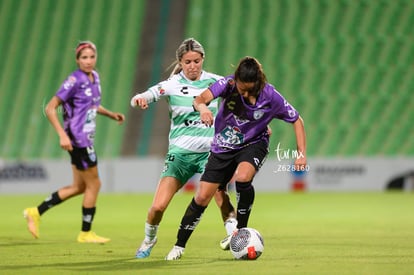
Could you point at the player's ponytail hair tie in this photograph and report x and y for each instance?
(83, 45)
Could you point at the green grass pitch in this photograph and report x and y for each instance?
(304, 233)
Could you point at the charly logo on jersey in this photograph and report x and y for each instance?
(231, 104)
(184, 90)
(88, 92)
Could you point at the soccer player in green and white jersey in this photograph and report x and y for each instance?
(189, 138)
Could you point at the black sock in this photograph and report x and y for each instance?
(49, 202)
(87, 218)
(189, 222)
(245, 199)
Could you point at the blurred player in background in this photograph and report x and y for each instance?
(241, 141)
(189, 138)
(80, 96)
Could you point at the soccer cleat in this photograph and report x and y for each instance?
(175, 253)
(33, 219)
(145, 249)
(225, 243)
(91, 237)
(231, 226)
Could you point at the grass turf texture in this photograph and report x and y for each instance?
(304, 233)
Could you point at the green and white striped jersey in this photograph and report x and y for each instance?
(187, 133)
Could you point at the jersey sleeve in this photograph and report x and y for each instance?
(67, 89)
(283, 109)
(219, 88)
(152, 94)
(163, 88)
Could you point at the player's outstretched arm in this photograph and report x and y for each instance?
(114, 115)
(144, 99)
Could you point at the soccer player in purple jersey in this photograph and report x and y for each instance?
(80, 96)
(189, 139)
(241, 141)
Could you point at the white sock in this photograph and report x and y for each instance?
(231, 225)
(179, 248)
(150, 232)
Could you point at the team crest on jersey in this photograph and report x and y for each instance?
(161, 91)
(292, 113)
(258, 114)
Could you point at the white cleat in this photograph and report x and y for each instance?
(144, 250)
(225, 243)
(175, 253)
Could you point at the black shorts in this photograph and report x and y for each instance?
(83, 158)
(221, 167)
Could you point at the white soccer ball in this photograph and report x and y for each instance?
(246, 244)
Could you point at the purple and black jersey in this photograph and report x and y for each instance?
(238, 124)
(81, 99)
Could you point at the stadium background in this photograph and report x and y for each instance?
(346, 65)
